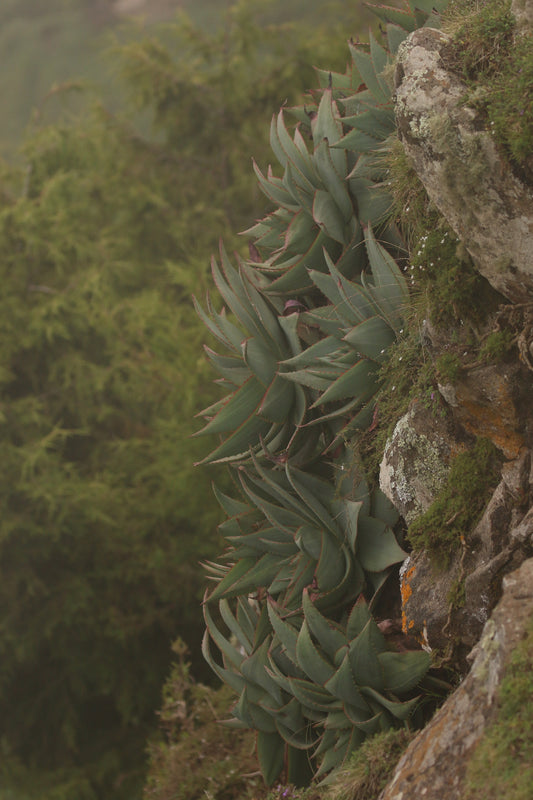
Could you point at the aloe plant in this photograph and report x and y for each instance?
(262, 412)
(321, 210)
(312, 316)
(358, 325)
(283, 390)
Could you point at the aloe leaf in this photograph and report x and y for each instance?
(403, 671)
(246, 576)
(329, 288)
(237, 445)
(401, 711)
(351, 585)
(247, 617)
(333, 181)
(326, 347)
(260, 360)
(371, 338)
(274, 190)
(226, 648)
(263, 628)
(223, 330)
(235, 628)
(313, 495)
(396, 16)
(310, 659)
(231, 506)
(338, 79)
(328, 217)
(383, 509)
(342, 685)
(312, 696)
(358, 141)
(271, 755)
(229, 367)
(295, 153)
(310, 378)
(263, 309)
(377, 547)
(300, 764)
(308, 540)
(368, 726)
(239, 305)
(326, 742)
(302, 576)
(241, 404)
(301, 233)
(373, 205)
(297, 739)
(296, 279)
(254, 670)
(300, 188)
(337, 720)
(388, 278)
(232, 678)
(277, 401)
(367, 70)
(364, 660)
(334, 757)
(332, 563)
(395, 36)
(326, 124)
(380, 59)
(328, 634)
(377, 122)
(359, 382)
(287, 634)
(279, 515)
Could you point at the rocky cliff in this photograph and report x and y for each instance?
(463, 478)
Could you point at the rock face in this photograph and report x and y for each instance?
(446, 609)
(490, 210)
(435, 764)
(416, 459)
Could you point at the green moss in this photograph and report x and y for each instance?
(457, 593)
(497, 346)
(502, 765)
(498, 68)
(442, 270)
(370, 768)
(448, 367)
(408, 374)
(472, 477)
(482, 35)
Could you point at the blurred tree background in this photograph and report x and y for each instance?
(108, 214)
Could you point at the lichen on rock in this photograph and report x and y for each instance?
(464, 174)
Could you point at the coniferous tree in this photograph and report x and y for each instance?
(105, 233)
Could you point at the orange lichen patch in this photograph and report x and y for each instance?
(406, 591)
(492, 417)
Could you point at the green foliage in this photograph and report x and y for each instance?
(497, 65)
(442, 270)
(452, 516)
(199, 755)
(501, 765)
(370, 768)
(100, 513)
(104, 234)
(497, 346)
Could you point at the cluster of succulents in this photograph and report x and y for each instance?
(305, 325)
